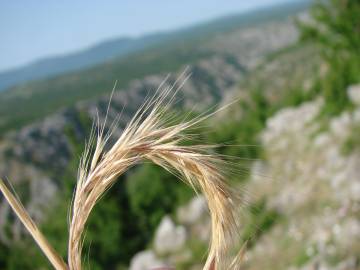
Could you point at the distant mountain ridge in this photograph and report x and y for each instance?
(122, 47)
(75, 61)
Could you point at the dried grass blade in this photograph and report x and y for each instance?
(29, 224)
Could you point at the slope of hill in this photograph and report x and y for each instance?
(243, 46)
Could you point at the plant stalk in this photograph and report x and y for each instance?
(30, 225)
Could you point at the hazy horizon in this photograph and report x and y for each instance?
(51, 37)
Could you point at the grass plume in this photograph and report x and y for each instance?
(153, 135)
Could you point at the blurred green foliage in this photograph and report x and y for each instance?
(352, 143)
(260, 220)
(153, 193)
(241, 136)
(335, 28)
(304, 256)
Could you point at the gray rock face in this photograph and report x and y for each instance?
(251, 44)
(169, 238)
(45, 144)
(314, 185)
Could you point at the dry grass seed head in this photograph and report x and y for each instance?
(151, 136)
(148, 136)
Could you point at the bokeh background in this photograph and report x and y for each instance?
(293, 134)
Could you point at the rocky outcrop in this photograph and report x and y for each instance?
(249, 45)
(168, 237)
(146, 260)
(177, 243)
(315, 186)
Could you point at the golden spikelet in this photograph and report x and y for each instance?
(151, 135)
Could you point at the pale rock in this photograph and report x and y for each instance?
(348, 233)
(355, 190)
(354, 93)
(169, 238)
(356, 117)
(322, 140)
(193, 211)
(309, 171)
(340, 126)
(145, 260)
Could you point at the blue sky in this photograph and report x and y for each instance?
(32, 29)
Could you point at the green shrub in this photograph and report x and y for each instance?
(337, 33)
(153, 193)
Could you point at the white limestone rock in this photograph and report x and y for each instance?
(145, 260)
(169, 238)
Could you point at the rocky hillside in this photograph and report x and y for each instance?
(309, 178)
(312, 181)
(242, 48)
